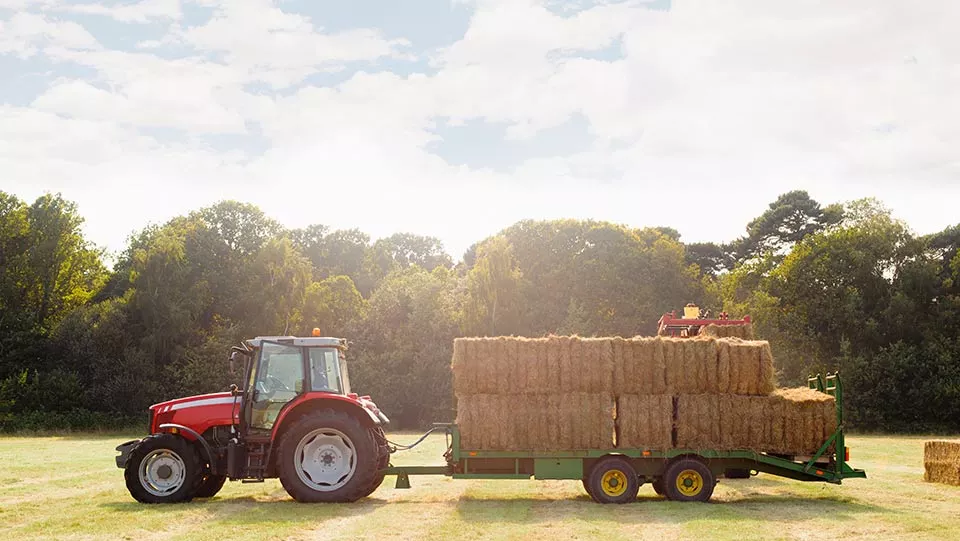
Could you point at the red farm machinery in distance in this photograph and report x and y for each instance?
(693, 321)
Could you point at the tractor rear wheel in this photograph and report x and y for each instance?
(210, 485)
(327, 456)
(383, 450)
(164, 468)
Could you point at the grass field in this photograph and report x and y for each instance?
(68, 488)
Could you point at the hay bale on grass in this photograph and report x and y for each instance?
(645, 421)
(941, 462)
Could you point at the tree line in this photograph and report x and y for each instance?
(83, 344)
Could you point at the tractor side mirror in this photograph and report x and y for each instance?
(233, 363)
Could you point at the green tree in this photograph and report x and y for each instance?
(333, 305)
(788, 220)
(494, 290)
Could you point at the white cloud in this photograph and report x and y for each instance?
(281, 48)
(137, 12)
(712, 111)
(26, 33)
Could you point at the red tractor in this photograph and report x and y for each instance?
(296, 419)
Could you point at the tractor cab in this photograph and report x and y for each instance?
(283, 368)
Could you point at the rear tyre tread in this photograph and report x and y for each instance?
(363, 441)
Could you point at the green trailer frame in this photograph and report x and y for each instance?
(828, 464)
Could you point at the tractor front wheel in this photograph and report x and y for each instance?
(328, 456)
(164, 468)
(210, 485)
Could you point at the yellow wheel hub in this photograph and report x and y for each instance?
(689, 483)
(614, 483)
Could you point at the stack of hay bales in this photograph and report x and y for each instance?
(728, 331)
(534, 394)
(941, 462)
(559, 393)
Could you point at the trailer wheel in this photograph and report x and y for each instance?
(586, 487)
(164, 468)
(327, 456)
(613, 480)
(688, 480)
(210, 485)
(658, 486)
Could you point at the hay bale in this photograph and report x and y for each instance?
(941, 462)
(536, 422)
(698, 421)
(744, 367)
(728, 331)
(790, 421)
(644, 421)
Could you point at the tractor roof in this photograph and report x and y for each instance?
(319, 341)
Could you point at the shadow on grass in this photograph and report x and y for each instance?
(651, 508)
(250, 510)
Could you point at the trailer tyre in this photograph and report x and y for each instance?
(658, 486)
(688, 480)
(327, 456)
(613, 480)
(164, 468)
(586, 486)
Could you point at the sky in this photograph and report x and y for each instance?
(457, 118)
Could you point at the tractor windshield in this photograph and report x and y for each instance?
(325, 370)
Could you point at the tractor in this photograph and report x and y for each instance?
(294, 419)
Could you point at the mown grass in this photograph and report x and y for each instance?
(68, 488)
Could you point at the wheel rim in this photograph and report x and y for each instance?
(162, 472)
(689, 483)
(325, 459)
(613, 483)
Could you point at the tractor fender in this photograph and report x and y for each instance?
(125, 449)
(310, 401)
(207, 450)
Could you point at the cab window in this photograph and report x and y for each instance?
(325, 370)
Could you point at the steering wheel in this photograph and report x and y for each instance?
(270, 385)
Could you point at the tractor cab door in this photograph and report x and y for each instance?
(277, 378)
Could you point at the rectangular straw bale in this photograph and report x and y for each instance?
(619, 375)
(645, 421)
(941, 462)
(698, 421)
(768, 378)
(728, 331)
(674, 360)
(554, 346)
(463, 377)
(569, 350)
(808, 418)
(503, 367)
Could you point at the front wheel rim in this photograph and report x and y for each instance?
(325, 459)
(162, 472)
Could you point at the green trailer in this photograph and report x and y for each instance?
(615, 475)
